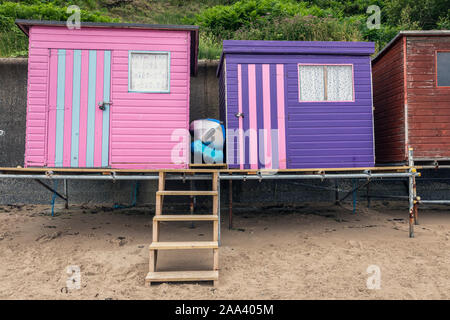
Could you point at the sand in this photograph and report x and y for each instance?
(270, 254)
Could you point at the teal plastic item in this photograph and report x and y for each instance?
(209, 155)
(209, 131)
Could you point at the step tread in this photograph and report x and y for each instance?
(186, 193)
(186, 217)
(182, 276)
(175, 245)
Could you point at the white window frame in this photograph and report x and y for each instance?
(149, 52)
(325, 81)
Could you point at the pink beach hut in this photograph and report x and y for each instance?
(108, 95)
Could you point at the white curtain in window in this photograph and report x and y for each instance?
(340, 83)
(311, 83)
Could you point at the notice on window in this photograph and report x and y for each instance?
(149, 72)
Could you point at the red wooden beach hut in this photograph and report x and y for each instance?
(411, 95)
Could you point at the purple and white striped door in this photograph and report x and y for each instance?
(261, 112)
(79, 108)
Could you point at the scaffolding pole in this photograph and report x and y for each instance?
(230, 204)
(413, 210)
(314, 174)
(51, 189)
(66, 193)
(434, 201)
(319, 176)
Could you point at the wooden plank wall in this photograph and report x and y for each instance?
(142, 124)
(389, 103)
(428, 105)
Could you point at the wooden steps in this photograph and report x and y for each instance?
(182, 245)
(187, 217)
(186, 193)
(168, 276)
(156, 245)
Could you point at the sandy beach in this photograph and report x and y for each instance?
(270, 253)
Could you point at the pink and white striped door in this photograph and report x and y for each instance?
(79, 108)
(261, 113)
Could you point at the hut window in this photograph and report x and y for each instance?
(325, 83)
(149, 71)
(443, 68)
(312, 85)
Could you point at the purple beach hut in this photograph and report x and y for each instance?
(297, 104)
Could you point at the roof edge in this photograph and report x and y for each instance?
(412, 33)
(271, 47)
(25, 25)
(298, 47)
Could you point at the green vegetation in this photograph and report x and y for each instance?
(339, 20)
(13, 42)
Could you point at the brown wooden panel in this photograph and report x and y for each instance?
(425, 140)
(429, 133)
(438, 107)
(427, 100)
(419, 77)
(413, 125)
(388, 88)
(426, 64)
(420, 84)
(428, 105)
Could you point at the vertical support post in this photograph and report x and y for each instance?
(216, 230)
(416, 212)
(216, 264)
(158, 211)
(218, 204)
(155, 230)
(192, 203)
(336, 192)
(354, 186)
(55, 186)
(216, 259)
(336, 199)
(216, 211)
(368, 195)
(66, 193)
(230, 205)
(152, 261)
(416, 203)
(411, 193)
(160, 199)
(215, 187)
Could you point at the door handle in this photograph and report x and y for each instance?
(101, 105)
(239, 114)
